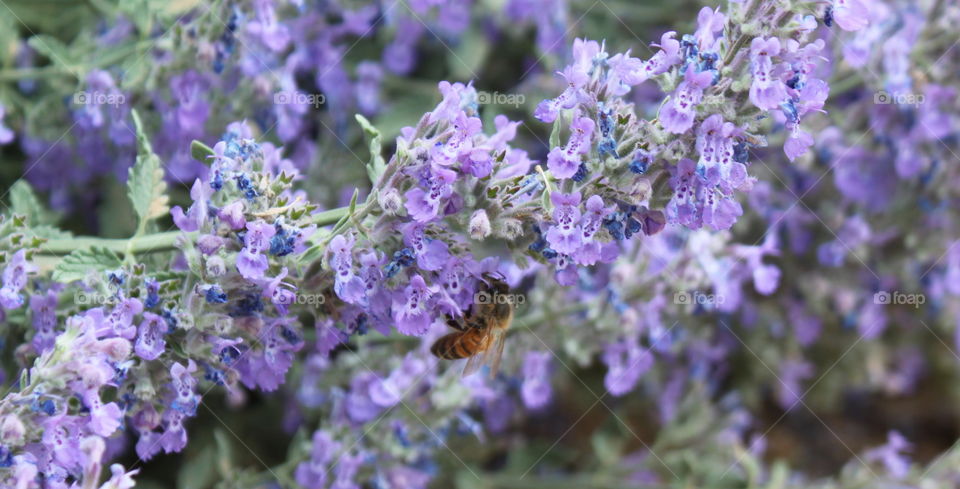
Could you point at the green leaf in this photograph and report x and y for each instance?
(555, 133)
(51, 48)
(79, 263)
(376, 165)
(200, 152)
(225, 463)
(145, 185)
(199, 471)
(24, 202)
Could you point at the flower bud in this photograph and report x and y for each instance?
(209, 244)
(390, 202)
(508, 228)
(216, 266)
(232, 214)
(479, 225)
(116, 348)
(12, 430)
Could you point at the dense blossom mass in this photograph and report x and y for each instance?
(711, 223)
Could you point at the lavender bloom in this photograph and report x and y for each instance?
(536, 391)
(626, 363)
(150, 343)
(266, 28)
(14, 276)
(6, 134)
(766, 90)
(852, 15)
(44, 308)
(678, 113)
(252, 262)
(891, 455)
(412, 307)
(564, 162)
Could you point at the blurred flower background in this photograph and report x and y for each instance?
(232, 231)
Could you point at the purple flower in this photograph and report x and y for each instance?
(312, 474)
(6, 135)
(266, 368)
(564, 162)
(891, 455)
(431, 254)
(232, 214)
(797, 143)
(328, 337)
(174, 436)
(851, 15)
(264, 26)
(592, 251)
(280, 293)
(626, 363)
(251, 262)
(400, 55)
(104, 418)
(120, 320)
(369, 76)
(412, 309)
(536, 391)
(388, 392)
(548, 110)
(44, 308)
(767, 91)
(792, 373)
(659, 63)
(406, 477)
(677, 114)
(715, 144)
(423, 205)
(709, 23)
(359, 407)
(150, 343)
(15, 279)
(120, 479)
(565, 236)
(347, 285)
(347, 470)
(196, 216)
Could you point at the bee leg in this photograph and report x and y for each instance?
(456, 323)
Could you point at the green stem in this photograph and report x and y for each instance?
(152, 242)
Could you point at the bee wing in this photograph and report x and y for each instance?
(493, 354)
(473, 364)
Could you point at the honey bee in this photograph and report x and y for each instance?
(481, 331)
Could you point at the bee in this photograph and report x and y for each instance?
(481, 331)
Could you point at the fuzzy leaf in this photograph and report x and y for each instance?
(49, 232)
(79, 263)
(145, 185)
(24, 202)
(53, 49)
(376, 165)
